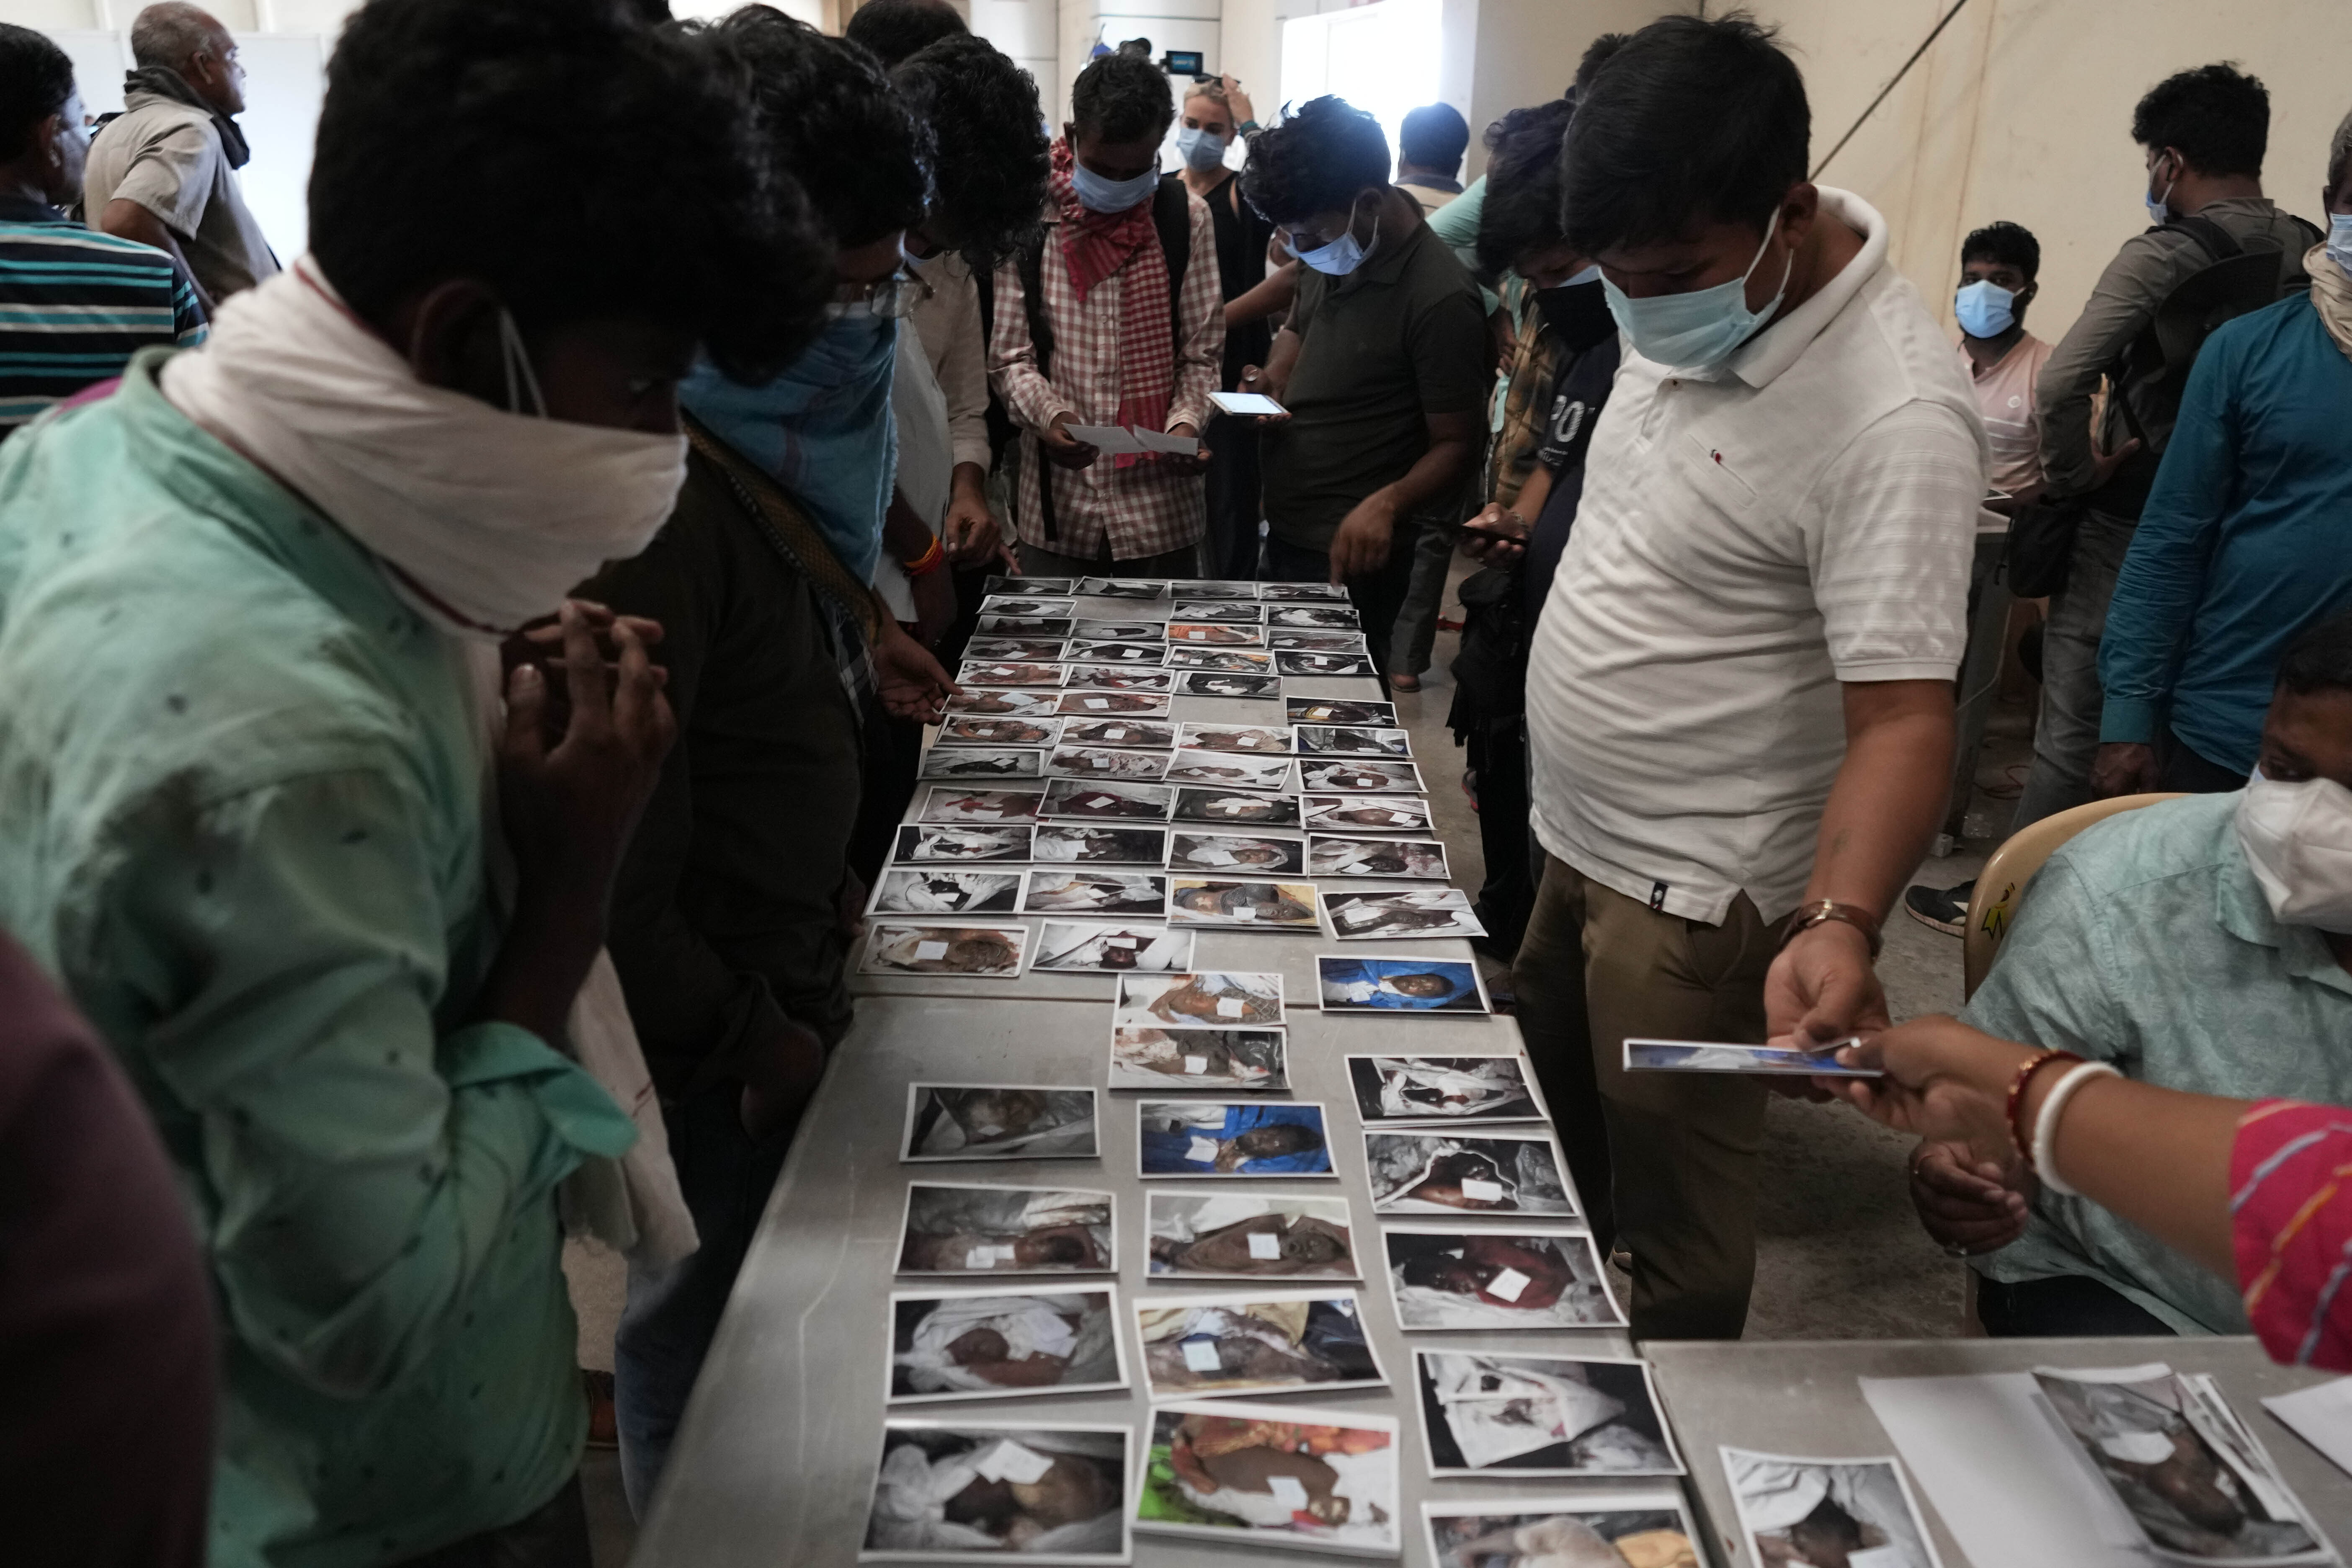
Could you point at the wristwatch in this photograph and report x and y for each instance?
(1809, 915)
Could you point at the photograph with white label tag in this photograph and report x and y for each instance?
(1014, 650)
(1485, 1413)
(1111, 949)
(1257, 740)
(1120, 631)
(1790, 1508)
(1143, 655)
(1353, 740)
(1055, 629)
(1025, 604)
(1497, 1279)
(1002, 1492)
(1651, 1527)
(1330, 855)
(1365, 813)
(1243, 611)
(1326, 665)
(1229, 660)
(1009, 673)
(1292, 639)
(1121, 588)
(990, 1343)
(1272, 1477)
(955, 1228)
(1232, 852)
(1229, 770)
(998, 1122)
(945, 892)
(1442, 1090)
(1338, 710)
(953, 952)
(1132, 734)
(1105, 763)
(1501, 1171)
(1332, 617)
(1107, 800)
(1213, 588)
(1333, 775)
(1016, 703)
(1217, 683)
(949, 843)
(1231, 1138)
(953, 803)
(1257, 906)
(1239, 1235)
(1058, 892)
(1198, 1346)
(1118, 678)
(1069, 842)
(1250, 1060)
(1222, 1000)
(1109, 704)
(1348, 984)
(1385, 914)
(1228, 808)
(981, 762)
(1212, 634)
(983, 730)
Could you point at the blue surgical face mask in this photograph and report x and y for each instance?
(1699, 330)
(1203, 150)
(2159, 211)
(1343, 255)
(1985, 309)
(1098, 194)
(2340, 240)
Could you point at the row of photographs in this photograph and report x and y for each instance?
(1013, 613)
(1189, 672)
(1089, 765)
(942, 890)
(1396, 812)
(1193, 734)
(1178, 651)
(1161, 587)
(1110, 705)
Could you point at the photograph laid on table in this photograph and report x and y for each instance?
(1245, 612)
(1329, 855)
(1017, 672)
(1111, 949)
(1116, 678)
(1027, 1492)
(1336, 709)
(1054, 626)
(1353, 740)
(1493, 1172)
(1212, 634)
(1330, 665)
(1120, 631)
(1497, 1279)
(944, 892)
(1251, 1060)
(1326, 617)
(1105, 799)
(1216, 588)
(1235, 1235)
(1014, 650)
(2185, 1468)
(1221, 1000)
(1145, 654)
(1703, 1055)
(1294, 639)
(1229, 660)
(983, 730)
(1333, 775)
(1366, 813)
(1828, 1510)
(1486, 1413)
(1134, 734)
(1272, 1477)
(1198, 1346)
(1109, 704)
(1229, 770)
(981, 762)
(999, 1121)
(1027, 605)
(1268, 739)
(1303, 592)
(923, 841)
(1058, 892)
(994, 1343)
(1228, 808)
(1259, 906)
(951, 802)
(1105, 762)
(1121, 588)
(1100, 845)
(969, 951)
(956, 1228)
(1385, 914)
(1043, 587)
(1407, 1089)
(1214, 683)
(1231, 1138)
(1398, 985)
(1018, 704)
(1649, 1528)
(1232, 852)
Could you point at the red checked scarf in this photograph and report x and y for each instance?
(1097, 245)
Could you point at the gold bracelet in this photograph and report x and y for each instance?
(1809, 915)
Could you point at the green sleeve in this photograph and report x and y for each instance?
(2048, 988)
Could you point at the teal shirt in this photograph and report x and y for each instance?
(2146, 942)
(239, 820)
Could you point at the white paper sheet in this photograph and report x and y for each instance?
(1112, 440)
(2322, 1417)
(1153, 441)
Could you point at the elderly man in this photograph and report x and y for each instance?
(164, 173)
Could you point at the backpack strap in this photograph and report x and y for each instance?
(1030, 262)
(1171, 215)
(2218, 242)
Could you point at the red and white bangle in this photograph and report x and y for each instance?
(2045, 1121)
(928, 562)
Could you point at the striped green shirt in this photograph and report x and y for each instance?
(74, 305)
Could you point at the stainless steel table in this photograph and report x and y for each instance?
(1803, 1397)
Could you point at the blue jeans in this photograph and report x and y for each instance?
(672, 1313)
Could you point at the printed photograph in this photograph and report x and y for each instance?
(1015, 651)
(1229, 1138)
(1055, 892)
(982, 729)
(1214, 683)
(1208, 1345)
(1398, 985)
(958, 1229)
(1423, 859)
(1250, 1060)
(1003, 1493)
(1214, 633)
(1233, 1236)
(1263, 739)
(1111, 949)
(1227, 808)
(1329, 664)
(1245, 611)
(1264, 906)
(923, 841)
(1229, 770)
(1224, 1001)
(1069, 842)
(944, 892)
(1390, 913)
(953, 803)
(1121, 678)
(1104, 762)
(1366, 813)
(1229, 660)
(1827, 1511)
(1496, 1173)
(1272, 1477)
(1541, 1415)
(1307, 592)
(1331, 617)
(969, 951)
(980, 762)
(1016, 672)
(990, 1343)
(1056, 628)
(1443, 1089)
(1649, 1528)
(1780, 1061)
(1016, 703)
(1293, 639)
(1233, 852)
(1041, 587)
(1127, 733)
(1494, 1279)
(1354, 740)
(1145, 654)
(1338, 711)
(1026, 605)
(1120, 631)
(998, 1122)
(1105, 799)
(1331, 776)
(1101, 704)
(1216, 588)
(1121, 588)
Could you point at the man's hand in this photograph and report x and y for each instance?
(935, 606)
(1504, 540)
(969, 531)
(779, 1072)
(2125, 767)
(1063, 449)
(1180, 462)
(907, 679)
(1238, 102)
(1822, 987)
(1965, 1209)
(541, 642)
(2107, 463)
(1360, 547)
(1255, 379)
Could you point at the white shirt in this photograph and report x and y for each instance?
(1749, 537)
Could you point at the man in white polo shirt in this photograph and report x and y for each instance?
(1739, 702)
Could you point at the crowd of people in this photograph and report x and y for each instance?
(455, 684)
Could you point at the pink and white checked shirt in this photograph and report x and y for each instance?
(1144, 508)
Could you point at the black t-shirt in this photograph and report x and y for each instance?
(1580, 386)
(1241, 240)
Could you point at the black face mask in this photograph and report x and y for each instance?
(1578, 313)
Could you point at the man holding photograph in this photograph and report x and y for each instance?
(1741, 735)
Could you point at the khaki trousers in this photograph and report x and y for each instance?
(1667, 1163)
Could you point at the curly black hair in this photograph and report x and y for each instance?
(2005, 241)
(577, 160)
(835, 122)
(897, 29)
(35, 79)
(981, 109)
(1319, 159)
(1122, 97)
(1522, 210)
(2217, 116)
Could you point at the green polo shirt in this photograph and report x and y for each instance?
(240, 794)
(1399, 339)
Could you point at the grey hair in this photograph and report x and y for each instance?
(167, 33)
(2339, 156)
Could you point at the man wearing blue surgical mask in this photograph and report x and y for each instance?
(1740, 694)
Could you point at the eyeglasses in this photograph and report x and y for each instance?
(892, 299)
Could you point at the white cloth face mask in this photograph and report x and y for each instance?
(2298, 841)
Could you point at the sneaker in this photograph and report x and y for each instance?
(1945, 909)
